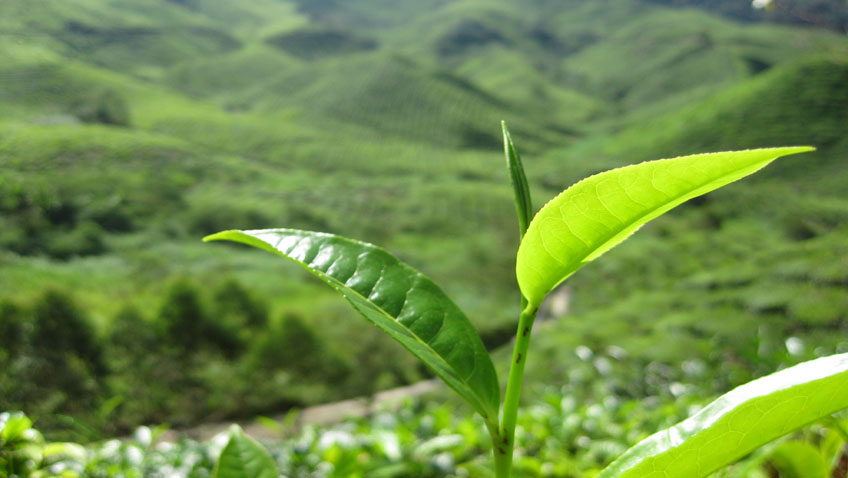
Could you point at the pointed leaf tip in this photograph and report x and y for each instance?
(740, 421)
(595, 214)
(244, 457)
(218, 236)
(518, 180)
(396, 298)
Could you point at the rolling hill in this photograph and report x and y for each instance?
(129, 130)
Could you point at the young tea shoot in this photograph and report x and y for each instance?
(576, 227)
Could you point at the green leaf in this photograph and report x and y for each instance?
(592, 216)
(74, 451)
(243, 457)
(520, 188)
(396, 298)
(799, 459)
(14, 428)
(739, 422)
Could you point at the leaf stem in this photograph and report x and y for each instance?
(837, 425)
(503, 448)
(501, 461)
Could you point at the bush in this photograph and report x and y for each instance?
(103, 106)
(293, 346)
(238, 312)
(315, 44)
(12, 343)
(54, 223)
(11, 331)
(60, 331)
(50, 363)
(210, 217)
(84, 240)
(143, 376)
(187, 327)
(112, 215)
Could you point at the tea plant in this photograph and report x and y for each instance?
(25, 453)
(574, 228)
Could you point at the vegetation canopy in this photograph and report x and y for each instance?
(131, 128)
(577, 226)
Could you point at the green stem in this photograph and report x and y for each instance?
(505, 439)
(836, 425)
(503, 462)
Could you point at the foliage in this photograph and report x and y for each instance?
(396, 298)
(320, 43)
(184, 322)
(104, 106)
(56, 365)
(831, 14)
(740, 421)
(580, 224)
(224, 129)
(433, 441)
(243, 457)
(589, 218)
(24, 452)
(293, 346)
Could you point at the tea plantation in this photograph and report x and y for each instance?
(131, 129)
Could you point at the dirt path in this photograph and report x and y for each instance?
(325, 414)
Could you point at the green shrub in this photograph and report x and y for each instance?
(60, 331)
(210, 217)
(103, 106)
(187, 327)
(293, 346)
(238, 312)
(12, 332)
(86, 239)
(311, 44)
(52, 363)
(112, 215)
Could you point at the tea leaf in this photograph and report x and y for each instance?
(14, 428)
(243, 457)
(739, 422)
(798, 459)
(520, 188)
(396, 298)
(592, 216)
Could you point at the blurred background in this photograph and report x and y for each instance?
(130, 129)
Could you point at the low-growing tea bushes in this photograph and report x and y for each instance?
(557, 437)
(414, 440)
(24, 453)
(196, 355)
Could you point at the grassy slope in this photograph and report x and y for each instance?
(400, 145)
(774, 106)
(753, 264)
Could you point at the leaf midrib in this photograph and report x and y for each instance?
(582, 260)
(413, 334)
(341, 285)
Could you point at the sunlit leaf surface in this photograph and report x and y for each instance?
(592, 216)
(243, 457)
(396, 298)
(739, 422)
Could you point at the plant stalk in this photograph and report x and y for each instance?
(837, 425)
(504, 443)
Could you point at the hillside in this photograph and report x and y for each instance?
(128, 131)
